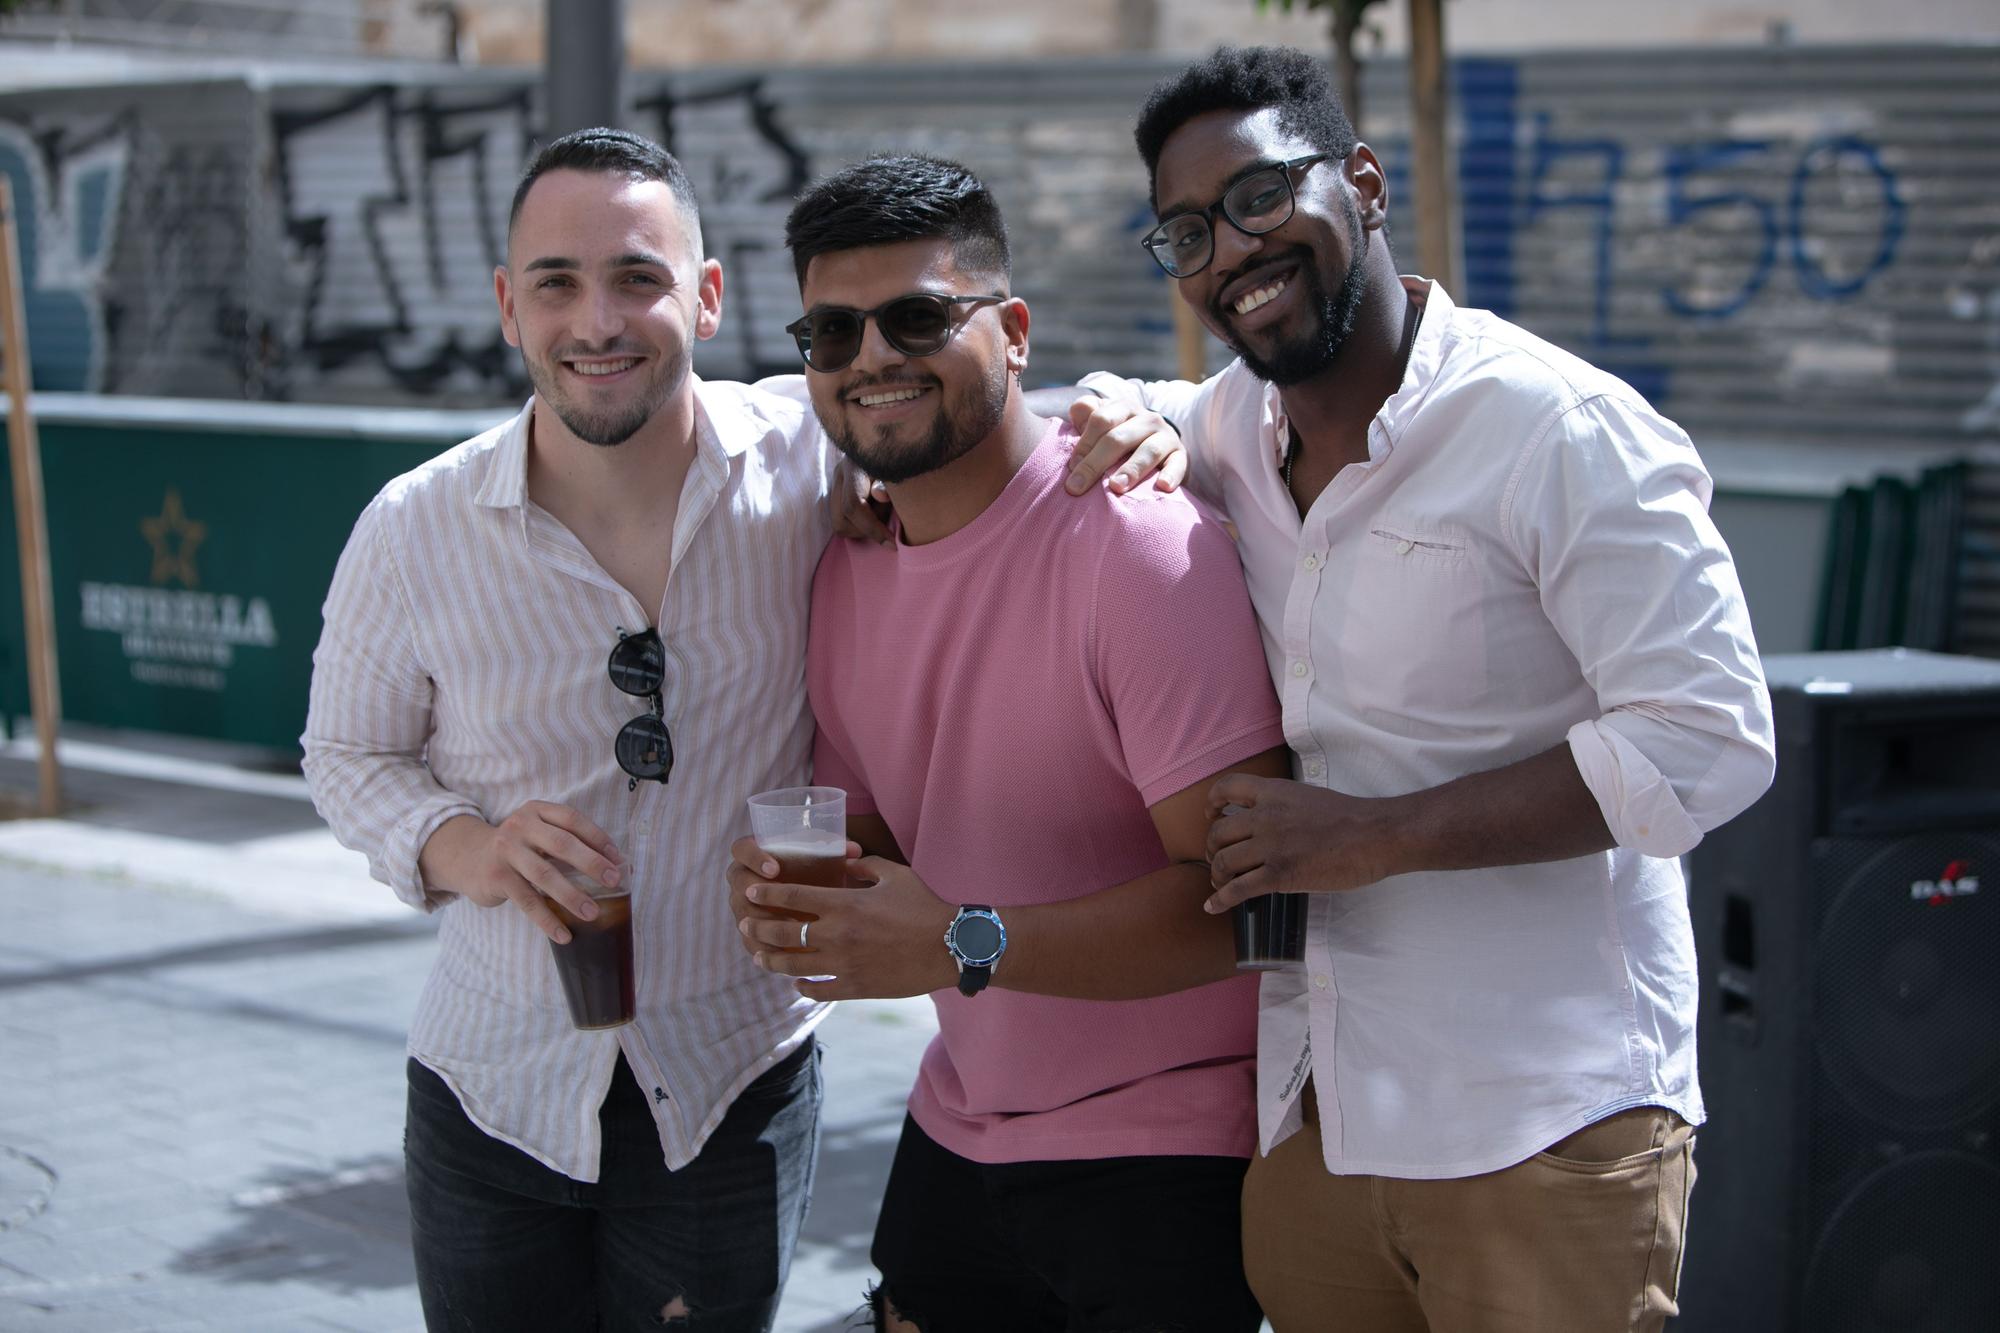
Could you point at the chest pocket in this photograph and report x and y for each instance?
(1441, 551)
(1414, 637)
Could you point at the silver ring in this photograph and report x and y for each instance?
(802, 933)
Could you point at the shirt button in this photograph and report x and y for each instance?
(1314, 768)
(1311, 562)
(1405, 546)
(1299, 669)
(1319, 981)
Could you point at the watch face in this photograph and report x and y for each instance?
(977, 938)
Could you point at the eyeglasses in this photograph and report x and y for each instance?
(1260, 202)
(919, 324)
(638, 666)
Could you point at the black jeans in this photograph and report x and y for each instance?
(1106, 1245)
(504, 1243)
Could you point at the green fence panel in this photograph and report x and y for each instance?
(190, 547)
(13, 652)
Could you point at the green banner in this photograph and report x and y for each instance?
(190, 557)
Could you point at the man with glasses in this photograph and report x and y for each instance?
(576, 639)
(1026, 699)
(1518, 675)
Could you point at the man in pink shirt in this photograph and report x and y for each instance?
(1026, 698)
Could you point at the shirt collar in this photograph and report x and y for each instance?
(506, 484)
(723, 421)
(724, 427)
(1427, 351)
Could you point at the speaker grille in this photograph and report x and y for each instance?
(1906, 1012)
(1911, 1250)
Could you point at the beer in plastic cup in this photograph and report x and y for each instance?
(803, 829)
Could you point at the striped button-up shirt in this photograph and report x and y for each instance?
(1524, 560)
(462, 670)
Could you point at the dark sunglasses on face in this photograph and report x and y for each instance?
(638, 666)
(919, 324)
(1260, 202)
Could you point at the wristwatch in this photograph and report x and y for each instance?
(976, 940)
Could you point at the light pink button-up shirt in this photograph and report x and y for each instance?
(1524, 560)
(462, 671)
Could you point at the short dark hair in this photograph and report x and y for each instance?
(1247, 78)
(900, 197)
(604, 149)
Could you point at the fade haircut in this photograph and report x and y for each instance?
(1247, 78)
(900, 197)
(631, 155)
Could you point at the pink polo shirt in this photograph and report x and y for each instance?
(1011, 699)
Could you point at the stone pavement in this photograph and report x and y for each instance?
(203, 1005)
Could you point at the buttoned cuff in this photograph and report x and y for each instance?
(398, 864)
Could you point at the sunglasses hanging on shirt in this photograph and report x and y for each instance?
(638, 666)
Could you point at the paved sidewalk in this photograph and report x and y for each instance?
(203, 1005)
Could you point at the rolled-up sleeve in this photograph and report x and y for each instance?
(1609, 512)
(370, 719)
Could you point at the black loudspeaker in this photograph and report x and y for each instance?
(1848, 932)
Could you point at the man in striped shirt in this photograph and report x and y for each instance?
(465, 733)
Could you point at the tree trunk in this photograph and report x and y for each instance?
(1346, 27)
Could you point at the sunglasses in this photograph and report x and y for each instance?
(919, 324)
(638, 666)
(1260, 202)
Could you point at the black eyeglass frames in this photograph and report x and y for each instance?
(1260, 202)
(919, 324)
(638, 666)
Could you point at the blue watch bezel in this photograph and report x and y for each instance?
(969, 912)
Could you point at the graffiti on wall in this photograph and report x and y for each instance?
(746, 169)
(194, 304)
(394, 212)
(67, 181)
(1763, 256)
(1777, 193)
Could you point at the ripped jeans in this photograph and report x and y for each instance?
(503, 1243)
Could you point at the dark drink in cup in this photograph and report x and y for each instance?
(1270, 933)
(596, 965)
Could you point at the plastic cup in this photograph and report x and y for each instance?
(1270, 933)
(595, 967)
(803, 829)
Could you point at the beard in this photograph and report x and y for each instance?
(611, 424)
(1298, 359)
(962, 422)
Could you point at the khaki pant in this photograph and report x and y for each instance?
(1582, 1238)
